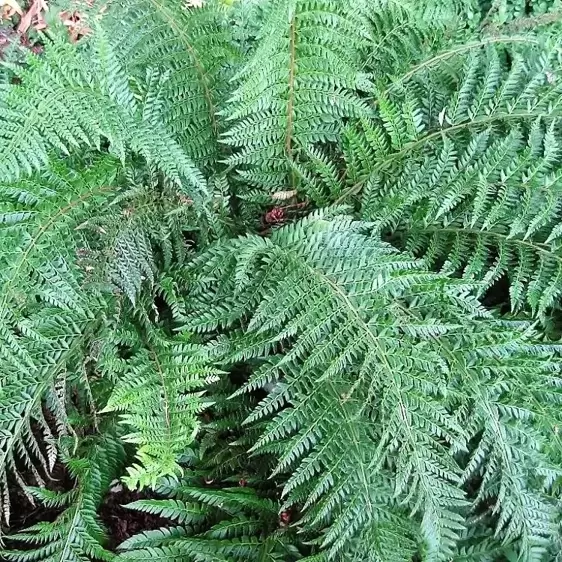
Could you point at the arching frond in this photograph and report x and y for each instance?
(176, 56)
(157, 391)
(461, 165)
(71, 98)
(241, 526)
(297, 87)
(389, 371)
(45, 316)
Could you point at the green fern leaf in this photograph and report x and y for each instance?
(369, 408)
(76, 534)
(296, 88)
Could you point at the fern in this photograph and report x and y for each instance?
(293, 379)
(45, 317)
(376, 394)
(521, 14)
(76, 534)
(224, 441)
(399, 38)
(494, 192)
(465, 173)
(157, 390)
(177, 57)
(72, 98)
(298, 85)
(241, 526)
(73, 245)
(64, 243)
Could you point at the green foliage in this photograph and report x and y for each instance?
(47, 320)
(297, 86)
(463, 168)
(224, 441)
(483, 202)
(211, 524)
(377, 396)
(177, 57)
(73, 98)
(76, 534)
(522, 14)
(157, 389)
(78, 247)
(255, 263)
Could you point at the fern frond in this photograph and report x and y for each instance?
(385, 363)
(463, 168)
(229, 515)
(177, 55)
(399, 36)
(66, 238)
(72, 98)
(45, 316)
(297, 87)
(157, 392)
(76, 534)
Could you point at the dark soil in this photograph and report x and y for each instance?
(498, 296)
(23, 513)
(119, 522)
(122, 523)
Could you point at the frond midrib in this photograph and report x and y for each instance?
(173, 24)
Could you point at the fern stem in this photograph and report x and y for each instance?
(381, 164)
(536, 247)
(461, 49)
(165, 398)
(290, 102)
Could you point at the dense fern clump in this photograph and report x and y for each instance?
(372, 388)
(290, 272)
(76, 534)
